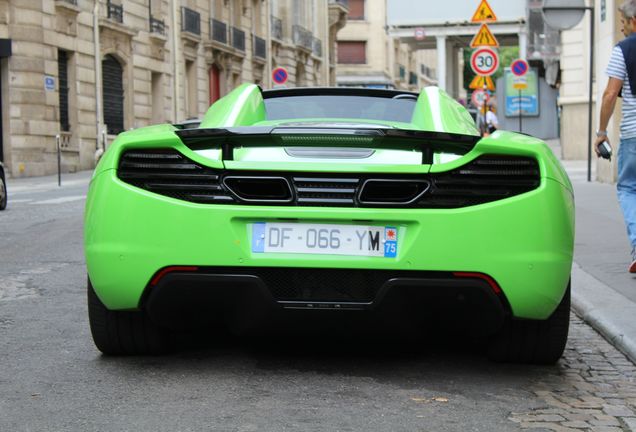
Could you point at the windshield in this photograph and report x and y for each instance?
(351, 107)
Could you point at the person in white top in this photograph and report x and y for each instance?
(491, 120)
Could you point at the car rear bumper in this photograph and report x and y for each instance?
(524, 243)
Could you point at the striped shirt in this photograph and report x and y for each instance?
(617, 69)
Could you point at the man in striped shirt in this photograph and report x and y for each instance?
(622, 78)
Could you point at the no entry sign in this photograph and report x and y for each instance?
(519, 67)
(280, 75)
(484, 61)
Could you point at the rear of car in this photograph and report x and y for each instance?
(325, 202)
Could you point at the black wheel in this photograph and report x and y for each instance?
(123, 333)
(529, 341)
(3, 191)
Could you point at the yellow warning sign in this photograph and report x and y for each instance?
(479, 81)
(484, 13)
(484, 37)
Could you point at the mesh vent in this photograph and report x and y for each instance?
(171, 174)
(488, 178)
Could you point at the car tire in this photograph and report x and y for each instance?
(123, 332)
(3, 191)
(532, 341)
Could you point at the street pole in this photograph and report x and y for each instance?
(520, 129)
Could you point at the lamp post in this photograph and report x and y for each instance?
(561, 22)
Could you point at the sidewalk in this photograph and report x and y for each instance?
(603, 292)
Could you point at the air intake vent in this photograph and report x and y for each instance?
(392, 192)
(487, 178)
(170, 173)
(323, 191)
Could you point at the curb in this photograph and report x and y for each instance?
(607, 311)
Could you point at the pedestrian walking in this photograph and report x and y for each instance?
(622, 82)
(491, 120)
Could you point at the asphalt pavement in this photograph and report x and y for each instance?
(603, 292)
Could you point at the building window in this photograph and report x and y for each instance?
(62, 70)
(356, 10)
(352, 52)
(113, 91)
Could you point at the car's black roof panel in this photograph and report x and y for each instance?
(334, 91)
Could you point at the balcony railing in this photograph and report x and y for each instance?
(317, 47)
(302, 37)
(277, 28)
(218, 30)
(157, 26)
(115, 12)
(238, 39)
(260, 47)
(190, 21)
(412, 78)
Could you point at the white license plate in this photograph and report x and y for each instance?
(324, 239)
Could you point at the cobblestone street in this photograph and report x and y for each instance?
(594, 389)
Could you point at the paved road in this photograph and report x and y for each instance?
(52, 377)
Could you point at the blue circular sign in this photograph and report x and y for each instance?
(519, 67)
(279, 75)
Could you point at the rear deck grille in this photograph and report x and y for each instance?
(485, 179)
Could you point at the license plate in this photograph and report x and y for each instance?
(324, 239)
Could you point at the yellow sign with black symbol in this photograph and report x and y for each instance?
(484, 13)
(479, 81)
(484, 37)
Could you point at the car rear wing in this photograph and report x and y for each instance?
(426, 142)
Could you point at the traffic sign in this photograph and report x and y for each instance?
(484, 61)
(484, 37)
(419, 34)
(479, 81)
(519, 67)
(484, 13)
(479, 98)
(280, 75)
(519, 82)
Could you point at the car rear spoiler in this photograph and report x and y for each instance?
(426, 142)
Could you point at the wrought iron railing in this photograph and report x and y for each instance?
(302, 37)
(190, 21)
(218, 30)
(260, 47)
(277, 28)
(115, 12)
(238, 39)
(317, 47)
(157, 26)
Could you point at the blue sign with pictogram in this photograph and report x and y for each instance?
(519, 67)
(280, 75)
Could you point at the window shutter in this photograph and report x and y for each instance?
(356, 9)
(352, 52)
(62, 71)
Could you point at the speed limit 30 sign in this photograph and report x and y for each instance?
(484, 61)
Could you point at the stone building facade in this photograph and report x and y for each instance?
(77, 72)
(369, 57)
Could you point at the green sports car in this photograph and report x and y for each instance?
(380, 206)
